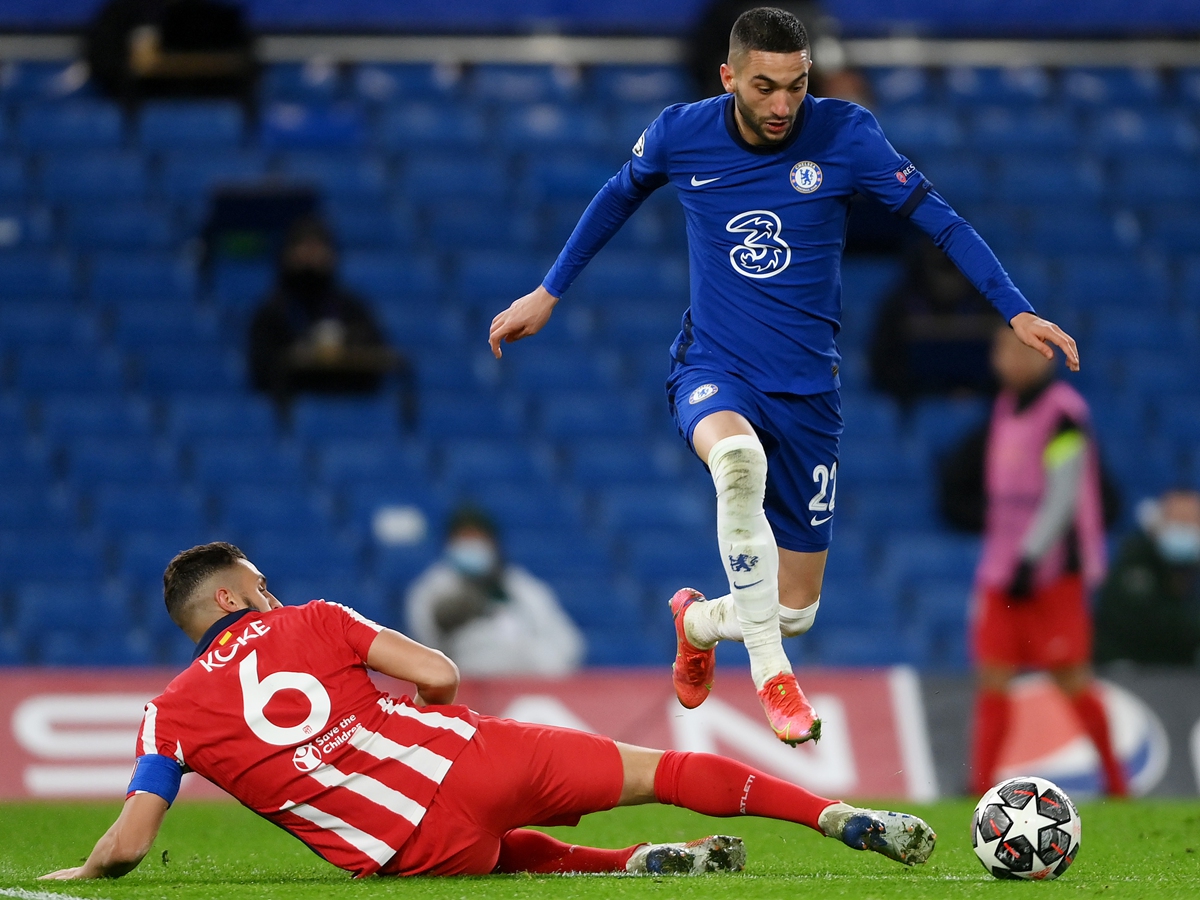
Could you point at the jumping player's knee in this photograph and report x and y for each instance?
(739, 471)
(794, 622)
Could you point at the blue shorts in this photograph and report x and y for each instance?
(799, 433)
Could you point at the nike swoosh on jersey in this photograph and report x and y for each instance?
(700, 182)
(815, 521)
(742, 587)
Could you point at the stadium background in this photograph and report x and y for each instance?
(451, 170)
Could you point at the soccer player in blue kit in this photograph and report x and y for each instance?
(765, 174)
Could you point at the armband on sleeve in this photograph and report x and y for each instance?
(156, 774)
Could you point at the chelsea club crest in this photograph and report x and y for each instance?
(702, 393)
(806, 176)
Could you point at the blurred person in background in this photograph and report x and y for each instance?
(1149, 607)
(311, 334)
(1034, 486)
(490, 617)
(933, 332)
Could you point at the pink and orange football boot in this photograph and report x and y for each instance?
(791, 717)
(692, 672)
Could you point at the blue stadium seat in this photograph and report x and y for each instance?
(474, 462)
(1108, 87)
(505, 83)
(29, 555)
(870, 418)
(629, 121)
(315, 81)
(943, 601)
(292, 126)
(996, 130)
(385, 276)
(1179, 417)
(188, 176)
(420, 327)
(120, 227)
(285, 556)
(45, 323)
(92, 124)
(565, 176)
(67, 368)
(348, 177)
(457, 369)
(942, 423)
(649, 278)
(185, 367)
(1159, 182)
(566, 415)
(1020, 86)
(142, 323)
(345, 462)
(655, 506)
(1118, 132)
(848, 601)
(252, 509)
(597, 602)
(688, 555)
(556, 553)
(1151, 372)
(446, 414)
(54, 603)
(1039, 179)
(202, 415)
(316, 418)
(80, 177)
(486, 225)
(213, 124)
(25, 226)
(879, 509)
(1176, 231)
(1059, 231)
(123, 460)
(70, 648)
(598, 462)
(35, 275)
(121, 508)
(537, 368)
(864, 645)
(1032, 276)
(117, 277)
(426, 125)
(619, 85)
(912, 556)
(14, 179)
(22, 463)
(30, 506)
(1001, 226)
(388, 83)
(144, 556)
(242, 285)
(38, 81)
(900, 85)
(219, 462)
(367, 499)
(527, 504)
(961, 179)
(371, 226)
(1094, 280)
(914, 129)
(1115, 327)
(548, 125)
(436, 177)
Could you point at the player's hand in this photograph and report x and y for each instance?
(63, 875)
(525, 317)
(1020, 589)
(1038, 333)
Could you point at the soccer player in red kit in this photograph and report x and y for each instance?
(278, 709)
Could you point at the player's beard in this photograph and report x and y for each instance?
(757, 124)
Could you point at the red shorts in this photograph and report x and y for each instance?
(509, 775)
(1050, 630)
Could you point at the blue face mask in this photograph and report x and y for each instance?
(1178, 543)
(473, 557)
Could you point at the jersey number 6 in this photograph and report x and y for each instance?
(257, 694)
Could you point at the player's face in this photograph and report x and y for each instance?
(1018, 367)
(768, 89)
(250, 586)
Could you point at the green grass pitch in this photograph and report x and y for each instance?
(219, 850)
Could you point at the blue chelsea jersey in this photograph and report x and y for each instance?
(766, 228)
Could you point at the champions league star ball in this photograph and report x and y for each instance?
(1026, 828)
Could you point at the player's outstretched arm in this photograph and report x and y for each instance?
(434, 674)
(524, 317)
(1039, 334)
(124, 844)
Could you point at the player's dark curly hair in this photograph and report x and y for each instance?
(188, 569)
(768, 29)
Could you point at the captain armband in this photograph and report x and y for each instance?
(156, 774)
(1064, 448)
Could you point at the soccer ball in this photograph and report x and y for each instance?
(1026, 828)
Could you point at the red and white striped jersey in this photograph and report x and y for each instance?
(280, 712)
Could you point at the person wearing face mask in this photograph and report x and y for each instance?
(1149, 607)
(490, 617)
(311, 334)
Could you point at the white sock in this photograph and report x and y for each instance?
(716, 620)
(748, 552)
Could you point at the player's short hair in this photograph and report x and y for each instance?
(769, 30)
(188, 570)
